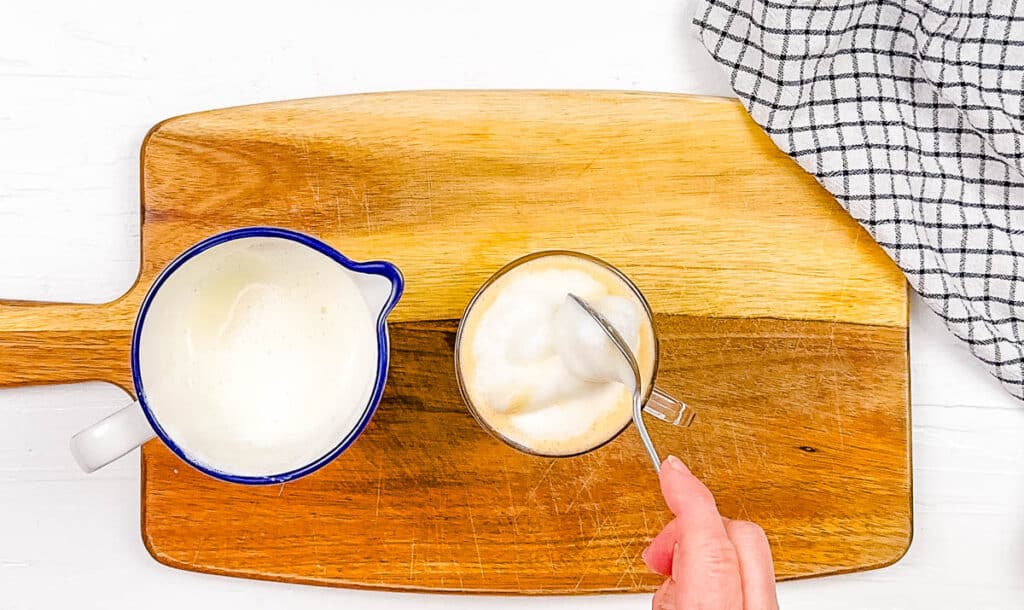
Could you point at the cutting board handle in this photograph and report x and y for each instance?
(48, 343)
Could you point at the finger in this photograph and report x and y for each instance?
(689, 500)
(665, 596)
(704, 563)
(757, 573)
(658, 555)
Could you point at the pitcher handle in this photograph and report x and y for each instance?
(111, 437)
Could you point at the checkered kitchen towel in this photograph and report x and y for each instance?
(910, 113)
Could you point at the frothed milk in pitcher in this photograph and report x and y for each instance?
(258, 356)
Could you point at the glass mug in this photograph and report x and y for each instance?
(380, 285)
(655, 402)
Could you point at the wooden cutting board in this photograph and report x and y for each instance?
(780, 321)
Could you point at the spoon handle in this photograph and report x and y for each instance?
(627, 354)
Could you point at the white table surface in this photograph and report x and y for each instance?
(79, 87)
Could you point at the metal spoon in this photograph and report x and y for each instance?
(620, 344)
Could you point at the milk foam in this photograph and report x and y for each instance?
(258, 356)
(518, 373)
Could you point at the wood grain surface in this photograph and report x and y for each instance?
(780, 321)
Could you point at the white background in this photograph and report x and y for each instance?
(80, 86)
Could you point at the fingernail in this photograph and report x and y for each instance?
(676, 464)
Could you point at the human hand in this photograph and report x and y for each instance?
(712, 562)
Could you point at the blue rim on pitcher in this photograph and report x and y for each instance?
(381, 268)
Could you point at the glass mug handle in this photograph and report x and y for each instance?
(111, 437)
(668, 409)
(663, 407)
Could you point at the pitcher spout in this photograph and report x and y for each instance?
(381, 283)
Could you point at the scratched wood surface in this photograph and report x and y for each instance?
(779, 319)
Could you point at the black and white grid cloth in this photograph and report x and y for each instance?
(910, 113)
